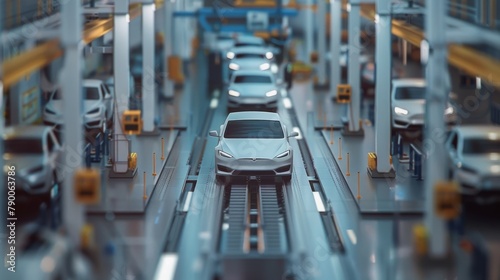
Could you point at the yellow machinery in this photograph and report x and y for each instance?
(175, 69)
(372, 161)
(87, 182)
(132, 122)
(344, 93)
(420, 240)
(447, 200)
(132, 161)
(301, 70)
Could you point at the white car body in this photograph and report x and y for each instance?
(255, 89)
(98, 106)
(474, 153)
(251, 58)
(253, 144)
(408, 104)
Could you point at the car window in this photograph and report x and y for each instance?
(256, 79)
(241, 44)
(410, 93)
(254, 129)
(454, 141)
(481, 146)
(23, 146)
(250, 55)
(91, 93)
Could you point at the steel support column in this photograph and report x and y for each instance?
(383, 85)
(168, 46)
(148, 67)
(121, 68)
(321, 36)
(71, 86)
(353, 64)
(335, 40)
(436, 100)
(309, 32)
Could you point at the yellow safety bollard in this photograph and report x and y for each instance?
(359, 191)
(340, 149)
(348, 170)
(87, 237)
(154, 164)
(144, 195)
(331, 135)
(162, 149)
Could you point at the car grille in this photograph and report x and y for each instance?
(254, 173)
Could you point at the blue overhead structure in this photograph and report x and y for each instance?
(234, 19)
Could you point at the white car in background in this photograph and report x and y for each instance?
(98, 106)
(253, 144)
(408, 104)
(252, 89)
(251, 58)
(474, 153)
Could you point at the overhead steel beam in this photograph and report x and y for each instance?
(471, 61)
(23, 64)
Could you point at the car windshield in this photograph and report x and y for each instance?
(247, 44)
(481, 146)
(410, 93)
(255, 79)
(250, 55)
(23, 146)
(91, 93)
(254, 129)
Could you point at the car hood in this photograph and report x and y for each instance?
(56, 105)
(254, 148)
(23, 163)
(250, 63)
(252, 90)
(416, 106)
(483, 164)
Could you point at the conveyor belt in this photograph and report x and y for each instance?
(253, 221)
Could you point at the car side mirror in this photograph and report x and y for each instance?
(293, 134)
(213, 133)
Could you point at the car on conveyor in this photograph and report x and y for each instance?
(252, 90)
(33, 152)
(251, 58)
(408, 105)
(474, 153)
(98, 106)
(253, 144)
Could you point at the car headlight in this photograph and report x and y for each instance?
(449, 111)
(35, 169)
(93, 111)
(284, 154)
(230, 55)
(274, 68)
(49, 111)
(264, 66)
(233, 93)
(400, 111)
(271, 93)
(468, 169)
(234, 66)
(269, 55)
(224, 154)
